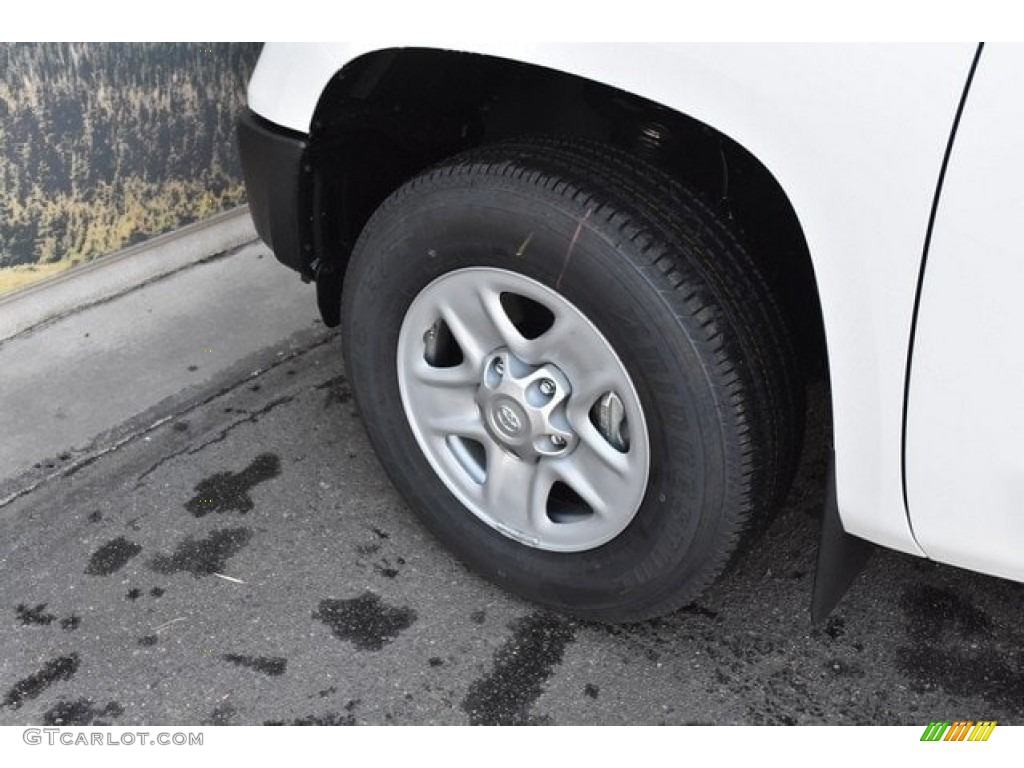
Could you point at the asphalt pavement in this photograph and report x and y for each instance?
(226, 550)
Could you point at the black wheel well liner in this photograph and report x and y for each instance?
(389, 114)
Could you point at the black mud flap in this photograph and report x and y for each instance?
(328, 292)
(840, 556)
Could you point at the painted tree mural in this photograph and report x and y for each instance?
(103, 145)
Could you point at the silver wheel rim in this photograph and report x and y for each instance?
(537, 429)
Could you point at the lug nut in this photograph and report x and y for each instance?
(547, 387)
(558, 441)
(499, 366)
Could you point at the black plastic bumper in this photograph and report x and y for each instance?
(278, 185)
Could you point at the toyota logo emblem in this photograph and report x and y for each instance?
(508, 420)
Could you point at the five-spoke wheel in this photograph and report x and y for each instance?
(523, 409)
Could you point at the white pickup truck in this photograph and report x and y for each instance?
(581, 288)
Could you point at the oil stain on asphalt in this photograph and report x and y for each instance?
(330, 718)
(222, 714)
(112, 557)
(933, 611)
(61, 668)
(203, 557)
(365, 621)
(272, 666)
(229, 491)
(82, 712)
(522, 665)
(338, 391)
(954, 646)
(37, 615)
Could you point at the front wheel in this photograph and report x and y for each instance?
(573, 374)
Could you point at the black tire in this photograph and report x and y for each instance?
(674, 294)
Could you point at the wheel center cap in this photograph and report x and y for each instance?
(523, 407)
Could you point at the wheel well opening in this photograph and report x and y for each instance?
(392, 113)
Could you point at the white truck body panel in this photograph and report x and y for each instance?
(965, 462)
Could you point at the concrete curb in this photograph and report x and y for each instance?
(118, 273)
